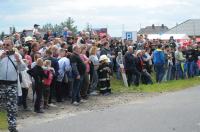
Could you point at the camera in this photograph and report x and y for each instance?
(10, 52)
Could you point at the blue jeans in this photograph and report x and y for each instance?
(159, 68)
(173, 73)
(191, 68)
(196, 69)
(179, 71)
(76, 89)
(70, 86)
(169, 73)
(185, 73)
(94, 83)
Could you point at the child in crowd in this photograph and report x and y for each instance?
(49, 71)
(25, 84)
(38, 74)
(104, 73)
(36, 56)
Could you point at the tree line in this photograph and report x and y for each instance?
(56, 28)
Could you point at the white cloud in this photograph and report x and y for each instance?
(111, 13)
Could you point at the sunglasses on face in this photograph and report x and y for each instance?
(6, 45)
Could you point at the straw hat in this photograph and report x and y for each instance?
(29, 38)
(139, 51)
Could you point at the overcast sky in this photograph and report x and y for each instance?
(99, 13)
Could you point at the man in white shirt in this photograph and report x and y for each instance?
(10, 65)
(36, 32)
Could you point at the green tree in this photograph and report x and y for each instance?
(47, 27)
(88, 27)
(69, 23)
(58, 28)
(2, 35)
(13, 30)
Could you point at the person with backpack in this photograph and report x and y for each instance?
(159, 61)
(62, 78)
(55, 65)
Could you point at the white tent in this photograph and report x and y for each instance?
(167, 36)
(153, 36)
(176, 36)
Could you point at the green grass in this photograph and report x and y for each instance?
(118, 86)
(3, 120)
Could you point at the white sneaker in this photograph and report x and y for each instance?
(94, 93)
(52, 105)
(75, 103)
(83, 101)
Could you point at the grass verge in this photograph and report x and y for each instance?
(174, 85)
(3, 120)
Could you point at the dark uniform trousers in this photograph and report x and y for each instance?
(8, 102)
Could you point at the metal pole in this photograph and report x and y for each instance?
(194, 31)
(122, 30)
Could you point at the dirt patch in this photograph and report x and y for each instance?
(65, 109)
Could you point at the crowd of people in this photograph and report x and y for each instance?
(65, 67)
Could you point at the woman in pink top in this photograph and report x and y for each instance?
(27, 57)
(85, 84)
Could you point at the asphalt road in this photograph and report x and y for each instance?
(172, 112)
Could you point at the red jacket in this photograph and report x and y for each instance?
(48, 81)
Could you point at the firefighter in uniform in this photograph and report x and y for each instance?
(104, 73)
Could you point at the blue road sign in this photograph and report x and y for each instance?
(129, 36)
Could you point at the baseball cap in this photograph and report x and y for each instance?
(36, 25)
